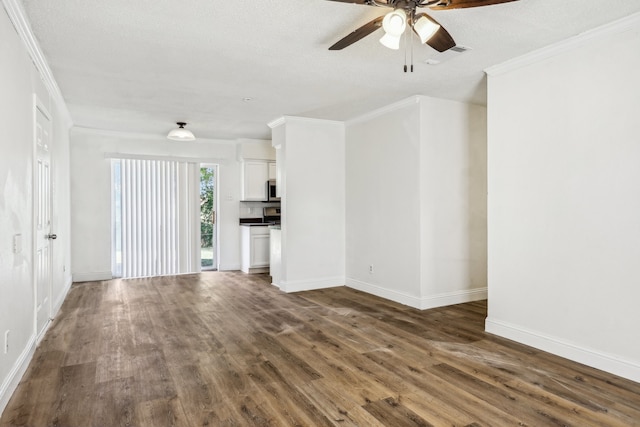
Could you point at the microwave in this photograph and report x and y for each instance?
(271, 191)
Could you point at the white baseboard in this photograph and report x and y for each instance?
(421, 303)
(451, 298)
(311, 284)
(93, 276)
(390, 294)
(17, 371)
(61, 297)
(230, 267)
(590, 357)
(22, 363)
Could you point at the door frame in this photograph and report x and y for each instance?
(38, 104)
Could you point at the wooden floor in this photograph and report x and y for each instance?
(227, 349)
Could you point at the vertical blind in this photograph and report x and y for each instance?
(155, 217)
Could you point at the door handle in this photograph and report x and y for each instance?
(52, 236)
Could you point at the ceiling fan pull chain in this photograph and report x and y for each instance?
(411, 51)
(405, 51)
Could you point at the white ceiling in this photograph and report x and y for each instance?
(140, 66)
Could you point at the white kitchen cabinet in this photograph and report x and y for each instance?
(255, 249)
(275, 256)
(272, 170)
(255, 175)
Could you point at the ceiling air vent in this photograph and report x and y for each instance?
(441, 57)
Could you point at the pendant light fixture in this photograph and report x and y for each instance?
(425, 27)
(394, 24)
(180, 133)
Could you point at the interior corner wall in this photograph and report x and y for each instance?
(313, 200)
(453, 202)
(416, 202)
(383, 204)
(19, 82)
(564, 202)
(91, 194)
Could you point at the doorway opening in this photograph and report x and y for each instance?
(208, 223)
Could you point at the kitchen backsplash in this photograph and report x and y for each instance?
(254, 209)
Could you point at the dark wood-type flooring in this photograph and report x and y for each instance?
(228, 349)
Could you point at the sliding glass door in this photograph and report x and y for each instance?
(155, 217)
(208, 223)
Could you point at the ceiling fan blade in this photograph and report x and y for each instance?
(358, 34)
(365, 2)
(441, 40)
(459, 4)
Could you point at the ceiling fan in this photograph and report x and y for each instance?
(404, 15)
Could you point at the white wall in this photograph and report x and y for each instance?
(383, 203)
(453, 202)
(255, 149)
(416, 202)
(311, 166)
(564, 199)
(61, 218)
(90, 193)
(19, 81)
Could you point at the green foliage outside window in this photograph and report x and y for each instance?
(207, 207)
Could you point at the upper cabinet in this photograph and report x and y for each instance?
(257, 159)
(255, 174)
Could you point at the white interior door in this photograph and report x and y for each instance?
(42, 208)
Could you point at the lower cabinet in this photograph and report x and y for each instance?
(275, 266)
(255, 249)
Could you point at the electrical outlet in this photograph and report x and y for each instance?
(371, 269)
(6, 342)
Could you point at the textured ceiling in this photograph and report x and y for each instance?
(140, 66)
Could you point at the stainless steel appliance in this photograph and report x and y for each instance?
(271, 215)
(271, 191)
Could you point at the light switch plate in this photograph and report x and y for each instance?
(17, 243)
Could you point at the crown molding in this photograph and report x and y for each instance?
(18, 17)
(277, 122)
(146, 136)
(252, 141)
(296, 119)
(412, 100)
(616, 27)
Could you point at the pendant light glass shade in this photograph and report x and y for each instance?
(392, 42)
(394, 24)
(425, 28)
(181, 134)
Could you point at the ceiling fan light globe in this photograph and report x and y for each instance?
(181, 134)
(395, 22)
(425, 28)
(391, 41)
